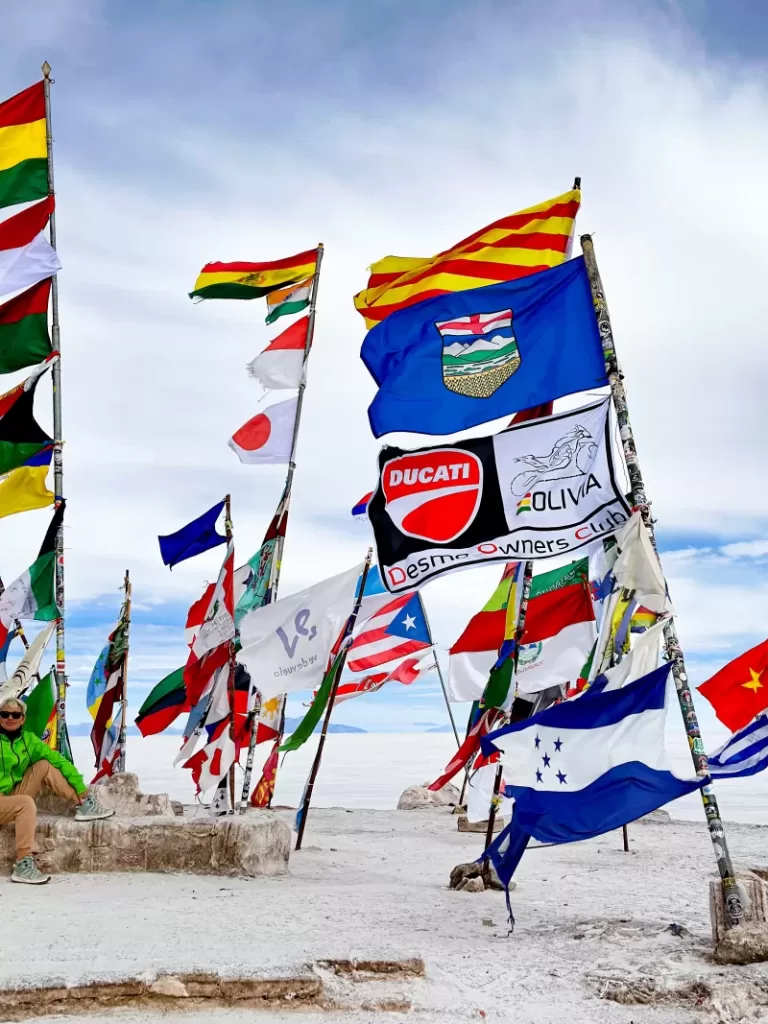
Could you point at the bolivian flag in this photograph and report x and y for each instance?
(252, 280)
(23, 148)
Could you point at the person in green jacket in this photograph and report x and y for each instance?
(26, 765)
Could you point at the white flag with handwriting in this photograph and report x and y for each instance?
(285, 645)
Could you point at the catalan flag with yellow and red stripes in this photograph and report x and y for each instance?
(515, 246)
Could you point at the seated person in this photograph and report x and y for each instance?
(26, 765)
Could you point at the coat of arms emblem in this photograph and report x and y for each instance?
(480, 352)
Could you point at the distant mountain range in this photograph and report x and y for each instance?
(440, 728)
(84, 728)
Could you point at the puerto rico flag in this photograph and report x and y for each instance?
(397, 630)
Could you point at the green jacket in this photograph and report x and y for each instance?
(25, 750)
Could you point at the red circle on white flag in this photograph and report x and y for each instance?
(254, 434)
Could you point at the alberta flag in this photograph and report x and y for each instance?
(585, 767)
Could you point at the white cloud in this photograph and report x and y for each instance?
(672, 163)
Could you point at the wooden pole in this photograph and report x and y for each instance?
(331, 698)
(524, 596)
(58, 468)
(120, 763)
(232, 664)
(734, 911)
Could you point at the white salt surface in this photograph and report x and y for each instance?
(372, 770)
(374, 884)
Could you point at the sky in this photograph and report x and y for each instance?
(197, 130)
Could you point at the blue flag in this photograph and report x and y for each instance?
(465, 358)
(745, 753)
(194, 538)
(585, 767)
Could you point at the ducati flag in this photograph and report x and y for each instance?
(537, 489)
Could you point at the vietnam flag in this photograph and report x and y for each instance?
(739, 691)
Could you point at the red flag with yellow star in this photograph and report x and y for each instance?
(739, 691)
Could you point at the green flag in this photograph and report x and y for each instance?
(306, 726)
(40, 704)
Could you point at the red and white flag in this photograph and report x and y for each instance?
(26, 255)
(210, 648)
(406, 671)
(280, 364)
(210, 764)
(266, 438)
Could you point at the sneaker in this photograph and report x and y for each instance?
(25, 870)
(91, 810)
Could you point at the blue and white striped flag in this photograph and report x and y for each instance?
(745, 753)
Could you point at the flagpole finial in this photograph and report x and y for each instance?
(320, 245)
(577, 182)
(46, 69)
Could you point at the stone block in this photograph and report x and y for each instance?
(465, 825)
(753, 901)
(258, 844)
(120, 793)
(418, 798)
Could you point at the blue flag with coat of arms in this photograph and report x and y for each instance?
(464, 358)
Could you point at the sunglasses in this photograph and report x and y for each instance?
(15, 715)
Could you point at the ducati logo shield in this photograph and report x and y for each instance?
(434, 495)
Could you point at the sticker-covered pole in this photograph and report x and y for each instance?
(519, 631)
(331, 699)
(734, 913)
(58, 468)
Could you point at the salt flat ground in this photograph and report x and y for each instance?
(591, 919)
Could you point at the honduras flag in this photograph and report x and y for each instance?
(745, 753)
(465, 358)
(585, 767)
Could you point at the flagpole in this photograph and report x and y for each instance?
(445, 691)
(58, 468)
(120, 763)
(232, 663)
(734, 912)
(280, 542)
(332, 697)
(519, 631)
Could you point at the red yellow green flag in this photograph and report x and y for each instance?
(23, 147)
(513, 247)
(252, 280)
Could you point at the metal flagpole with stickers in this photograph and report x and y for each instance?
(58, 467)
(734, 912)
(277, 559)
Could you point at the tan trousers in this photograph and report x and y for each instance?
(20, 807)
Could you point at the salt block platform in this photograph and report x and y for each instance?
(147, 833)
(252, 847)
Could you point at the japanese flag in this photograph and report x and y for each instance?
(266, 439)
